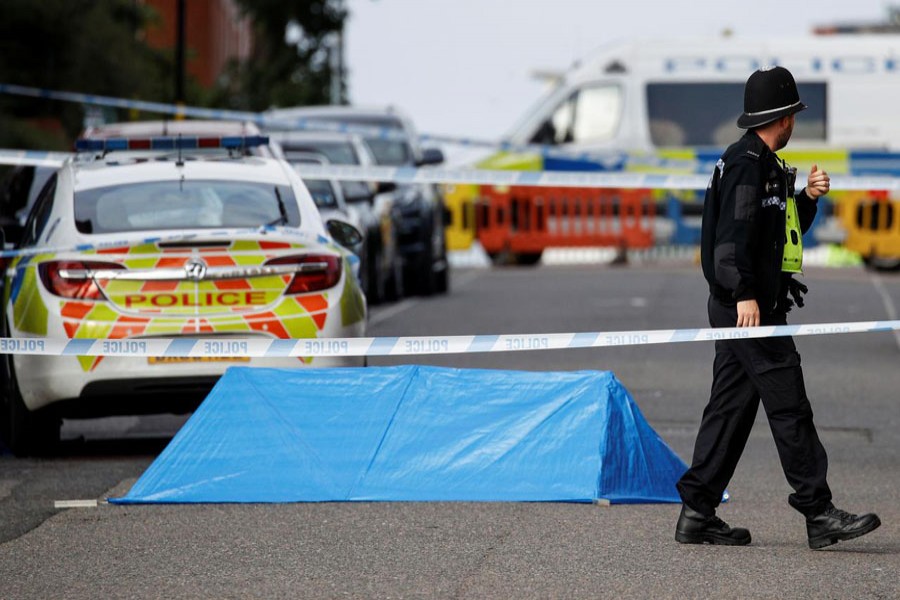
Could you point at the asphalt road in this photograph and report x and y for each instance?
(500, 550)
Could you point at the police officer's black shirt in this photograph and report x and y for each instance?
(743, 230)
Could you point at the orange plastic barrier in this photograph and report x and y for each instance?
(522, 221)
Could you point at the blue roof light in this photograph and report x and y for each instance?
(170, 143)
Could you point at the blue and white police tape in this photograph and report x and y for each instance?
(433, 175)
(612, 160)
(275, 120)
(578, 179)
(199, 347)
(36, 158)
(297, 234)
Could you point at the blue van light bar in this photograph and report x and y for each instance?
(170, 143)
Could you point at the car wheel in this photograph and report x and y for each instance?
(374, 293)
(881, 263)
(394, 290)
(25, 432)
(442, 276)
(428, 283)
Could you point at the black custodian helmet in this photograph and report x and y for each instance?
(769, 95)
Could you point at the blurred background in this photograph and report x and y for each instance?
(461, 67)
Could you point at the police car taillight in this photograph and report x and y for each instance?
(170, 143)
(73, 278)
(314, 272)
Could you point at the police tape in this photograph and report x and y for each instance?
(577, 179)
(607, 159)
(435, 175)
(272, 121)
(299, 235)
(205, 347)
(36, 158)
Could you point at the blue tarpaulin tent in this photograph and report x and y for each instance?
(413, 433)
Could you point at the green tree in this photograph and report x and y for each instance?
(281, 72)
(79, 45)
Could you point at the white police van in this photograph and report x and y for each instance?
(655, 94)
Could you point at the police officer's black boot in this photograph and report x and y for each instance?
(696, 528)
(835, 525)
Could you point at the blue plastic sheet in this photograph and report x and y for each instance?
(413, 433)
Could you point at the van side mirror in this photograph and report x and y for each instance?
(384, 187)
(344, 233)
(431, 156)
(10, 231)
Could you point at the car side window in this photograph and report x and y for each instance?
(590, 114)
(39, 216)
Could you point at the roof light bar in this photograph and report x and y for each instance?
(170, 143)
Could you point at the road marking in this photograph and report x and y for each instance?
(888, 302)
(404, 305)
(392, 311)
(7, 486)
(75, 504)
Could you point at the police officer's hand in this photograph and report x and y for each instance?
(747, 313)
(818, 183)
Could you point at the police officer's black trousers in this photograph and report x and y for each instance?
(745, 372)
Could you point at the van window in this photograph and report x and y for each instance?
(590, 114)
(705, 114)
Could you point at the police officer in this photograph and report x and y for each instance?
(751, 246)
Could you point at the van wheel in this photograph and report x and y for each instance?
(394, 290)
(25, 432)
(528, 258)
(882, 263)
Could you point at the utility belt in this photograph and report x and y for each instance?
(790, 294)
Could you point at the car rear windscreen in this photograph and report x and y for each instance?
(162, 205)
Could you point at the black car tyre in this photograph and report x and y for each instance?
(427, 278)
(25, 432)
(375, 289)
(394, 290)
(442, 275)
(442, 280)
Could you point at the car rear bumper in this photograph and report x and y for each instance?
(133, 385)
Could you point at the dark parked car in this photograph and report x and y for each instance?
(382, 265)
(422, 214)
(18, 192)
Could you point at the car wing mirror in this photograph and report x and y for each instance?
(10, 232)
(431, 156)
(343, 233)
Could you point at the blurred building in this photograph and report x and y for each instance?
(890, 25)
(215, 32)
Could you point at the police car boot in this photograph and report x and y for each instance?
(696, 528)
(835, 525)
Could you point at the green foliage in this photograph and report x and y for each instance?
(98, 47)
(77, 45)
(279, 73)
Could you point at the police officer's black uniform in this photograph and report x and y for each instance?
(742, 246)
(743, 255)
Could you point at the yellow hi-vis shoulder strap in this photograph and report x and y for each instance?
(793, 239)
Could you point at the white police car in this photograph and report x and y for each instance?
(165, 237)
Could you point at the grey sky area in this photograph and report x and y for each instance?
(464, 67)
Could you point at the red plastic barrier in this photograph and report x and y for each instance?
(525, 220)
